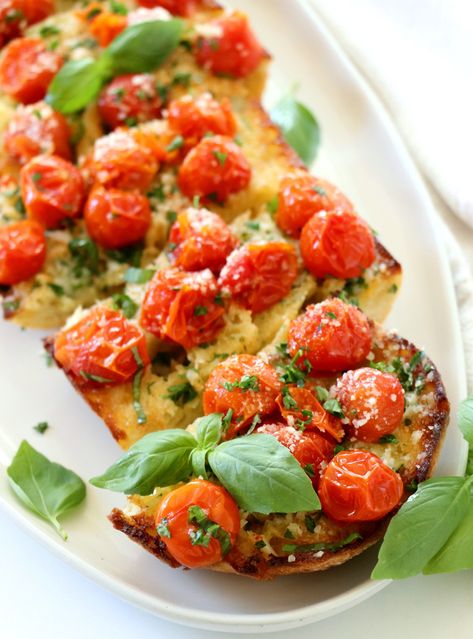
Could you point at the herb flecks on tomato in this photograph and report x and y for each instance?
(358, 486)
(372, 402)
(333, 336)
(116, 218)
(199, 523)
(200, 239)
(101, 348)
(214, 169)
(22, 251)
(36, 129)
(337, 243)
(52, 190)
(129, 99)
(197, 116)
(244, 385)
(228, 47)
(183, 308)
(259, 275)
(301, 196)
(27, 68)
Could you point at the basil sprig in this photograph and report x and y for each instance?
(433, 529)
(259, 472)
(299, 127)
(46, 488)
(138, 49)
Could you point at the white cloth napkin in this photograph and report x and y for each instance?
(418, 55)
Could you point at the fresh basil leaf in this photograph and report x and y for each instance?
(331, 547)
(46, 488)
(142, 47)
(209, 430)
(465, 420)
(263, 476)
(457, 553)
(299, 127)
(199, 461)
(422, 526)
(77, 83)
(158, 459)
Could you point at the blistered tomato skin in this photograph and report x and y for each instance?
(22, 251)
(244, 384)
(372, 402)
(214, 169)
(101, 348)
(312, 450)
(52, 190)
(333, 336)
(128, 100)
(232, 48)
(36, 129)
(116, 218)
(200, 239)
(338, 244)
(120, 161)
(27, 68)
(195, 116)
(256, 276)
(301, 196)
(184, 308)
(358, 486)
(173, 515)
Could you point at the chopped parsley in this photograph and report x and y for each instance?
(85, 254)
(331, 547)
(180, 394)
(254, 226)
(221, 156)
(90, 377)
(272, 205)
(245, 383)
(163, 528)
(137, 406)
(333, 407)
(288, 534)
(183, 78)
(127, 255)
(49, 30)
(288, 400)
(41, 427)
(124, 303)
(200, 310)
(138, 275)
(404, 371)
(227, 420)
(131, 121)
(206, 530)
(118, 8)
(318, 189)
(310, 522)
(388, 439)
(331, 315)
(56, 289)
(158, 193)
(171, 217)
(322, 394)
(292, 374)
(260, 544)
(218, 299)
(175, 144)
(196, 201)
(393, 288)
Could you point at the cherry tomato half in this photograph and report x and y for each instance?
(106, 26)
(101, 348)
(36, 129)
(312, 450)
(214, 169)
(183, 307)
(183, 8)
(119, 161)
(200, 239)
(358, 486)
(333, 336)
(338, 243)
(129, 99)
(178, 515)
(22, 251)
(116, 218)
(372, 401)
(300, 405)
(259, 275)
(232, 48)
(301, 196)
(27, 68)
(52, 190)
(244, 384)
(35, 10)
(194, 117)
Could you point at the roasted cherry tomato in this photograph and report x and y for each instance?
(35, 10)
(214, 169)
(301, 406)
(116, 218)
(27, 68)
(36, 129)
(200, 239)
(106, 26)
(338, 243)
(101, 348)
(183, 517)
(244, 384)
(301, 195)
(333, 336)
(52, 190)
(119, 161)
(183, 307)
(372, 402)
(129, 99)
(312, 450)
(358, 486)
(12, 20)
(22, 251)
(232, 48)
(259, 275)
(194, 117)
(183, 8)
